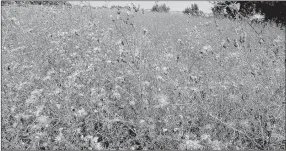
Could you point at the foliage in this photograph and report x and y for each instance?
(119, 7)
(193, 10)
(35, 3)
(218, 10)
(272, 10)
(224, 8)
(160, 8)
(135, 8)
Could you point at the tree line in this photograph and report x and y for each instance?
(3, 3)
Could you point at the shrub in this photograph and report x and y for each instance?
(116, 7)
(193, 10)
(135, 8)
(187, 10)
(160, 8)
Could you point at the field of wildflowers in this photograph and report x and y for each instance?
(95, 79)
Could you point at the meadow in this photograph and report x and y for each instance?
(96, 79)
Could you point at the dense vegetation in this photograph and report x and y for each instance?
(23, 3)
(84, 78)
(160, 8)
(272, 10)
(193, 10)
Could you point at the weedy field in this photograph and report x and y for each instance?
(84, 78)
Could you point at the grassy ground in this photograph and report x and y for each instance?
(83, 78)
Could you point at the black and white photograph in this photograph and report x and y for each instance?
(143, 75)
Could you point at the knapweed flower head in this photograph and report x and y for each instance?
(162, 100)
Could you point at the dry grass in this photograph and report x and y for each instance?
(79, 78)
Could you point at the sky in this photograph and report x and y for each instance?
(204, 6)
